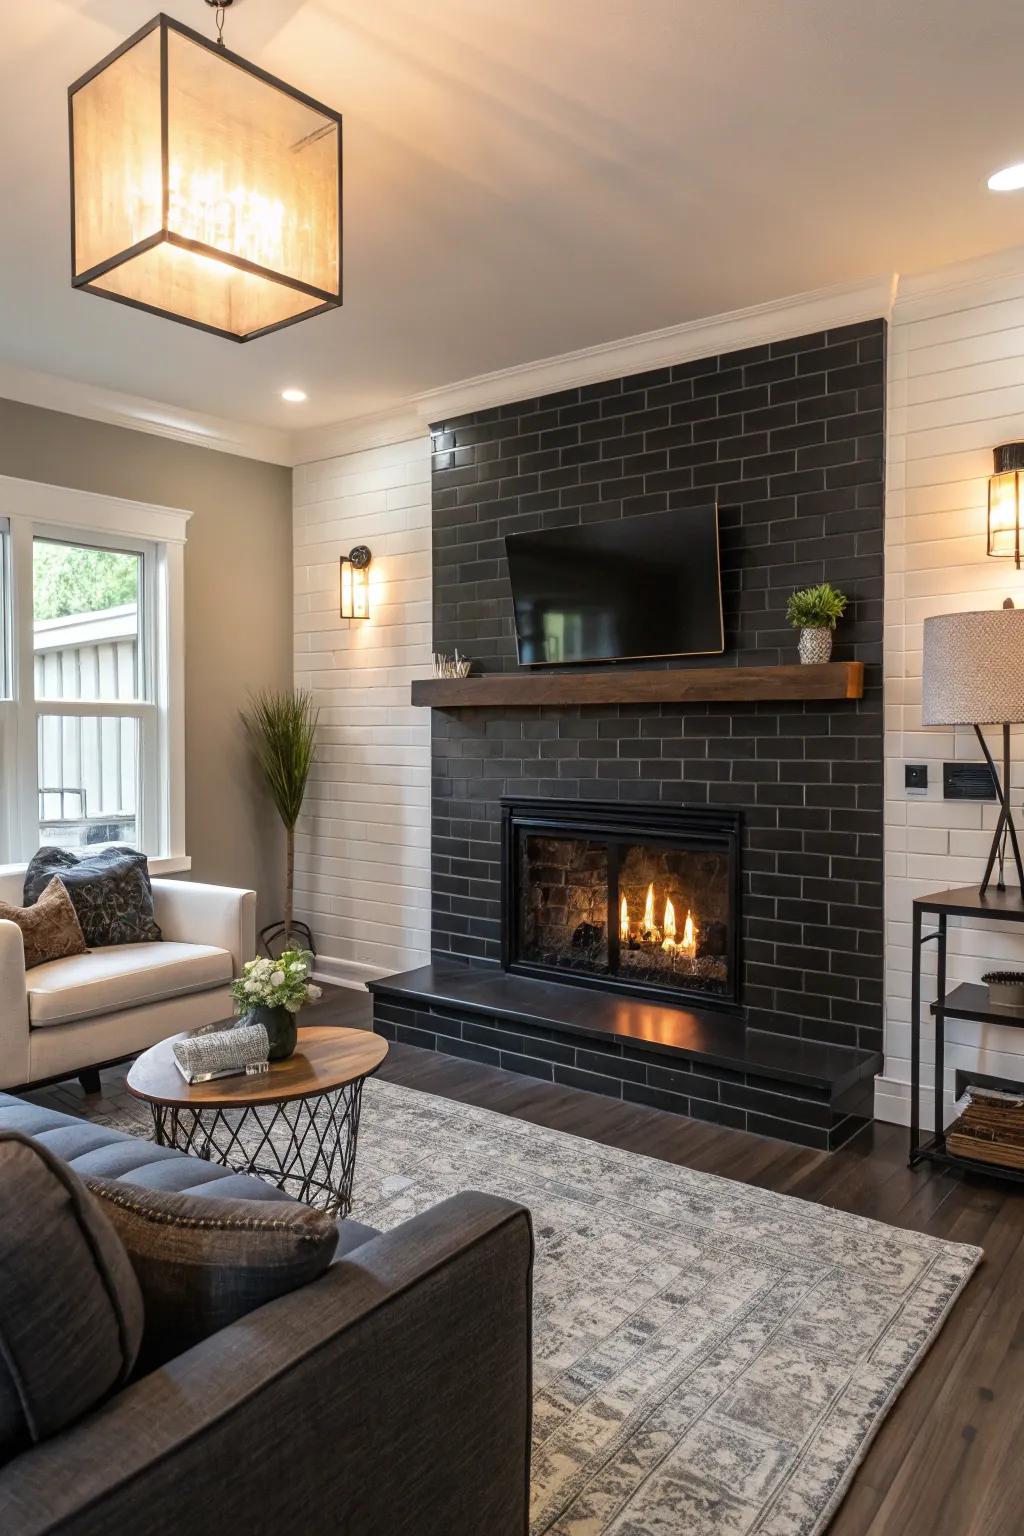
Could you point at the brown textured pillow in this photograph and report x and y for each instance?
(202, 1262)
(50, 928)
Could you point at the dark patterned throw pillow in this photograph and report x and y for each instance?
(110, 891)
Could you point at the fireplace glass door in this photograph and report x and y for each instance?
(619, 906)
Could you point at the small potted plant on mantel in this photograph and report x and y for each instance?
(815, 611)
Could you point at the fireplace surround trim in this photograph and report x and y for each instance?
(698, 828)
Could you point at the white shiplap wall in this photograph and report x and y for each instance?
(956, 390)
(363, 854)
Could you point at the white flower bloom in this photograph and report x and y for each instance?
(313, 992)
(277, 979)
(251, 986)
(297, 965)
(293, 1005)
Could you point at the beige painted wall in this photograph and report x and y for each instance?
(238, 609)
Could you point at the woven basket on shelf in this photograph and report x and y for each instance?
(990, 1130)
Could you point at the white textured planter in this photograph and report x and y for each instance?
(815, 646)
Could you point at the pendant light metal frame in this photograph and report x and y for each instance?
(86, 280)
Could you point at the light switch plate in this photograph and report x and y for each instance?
(915, 778)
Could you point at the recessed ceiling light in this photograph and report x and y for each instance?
(294, 396)
(1010, 179)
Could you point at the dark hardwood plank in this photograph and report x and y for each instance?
(617, 685)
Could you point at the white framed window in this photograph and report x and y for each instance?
(91, 673)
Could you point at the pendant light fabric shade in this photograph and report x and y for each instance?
(973, 668)
(203, 188)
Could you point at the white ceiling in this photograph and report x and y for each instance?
(527, 177)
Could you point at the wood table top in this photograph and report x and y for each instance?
(325, 1058)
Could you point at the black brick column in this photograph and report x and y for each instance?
(788, 438)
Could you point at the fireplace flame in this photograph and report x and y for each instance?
(649, 910)
(669, 941)
(667, 936)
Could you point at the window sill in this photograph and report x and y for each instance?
(174, 864)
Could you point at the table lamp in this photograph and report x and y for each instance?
(973, 674)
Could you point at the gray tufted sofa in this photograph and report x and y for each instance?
(389, 1398)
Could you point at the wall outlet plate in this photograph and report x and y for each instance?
(915, 778)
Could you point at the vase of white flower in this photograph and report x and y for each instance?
(271, 993)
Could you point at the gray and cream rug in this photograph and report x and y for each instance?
(710, 1359)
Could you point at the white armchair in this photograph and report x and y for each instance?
(67, 1017)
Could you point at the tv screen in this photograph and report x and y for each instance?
(630, 588)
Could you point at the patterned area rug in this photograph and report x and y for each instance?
(710, 1359)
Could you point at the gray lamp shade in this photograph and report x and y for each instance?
(973, 668)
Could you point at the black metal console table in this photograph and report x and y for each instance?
(968, 1000)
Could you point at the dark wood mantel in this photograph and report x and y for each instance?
(614, 685)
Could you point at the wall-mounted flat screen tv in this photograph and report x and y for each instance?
(626, 589)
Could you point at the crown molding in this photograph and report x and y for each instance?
(776, 320)
(991, 267)
(397, 425)
(74, 398)
(798, 314)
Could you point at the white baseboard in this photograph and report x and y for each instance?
(892, 1103)
(346, 973)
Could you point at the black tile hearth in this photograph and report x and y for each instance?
(788, 438)
(706, 1065)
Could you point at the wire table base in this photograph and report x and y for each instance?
(307, 1147)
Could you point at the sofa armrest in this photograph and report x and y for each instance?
(191, 913)
(391, 1396)
(14, 1067)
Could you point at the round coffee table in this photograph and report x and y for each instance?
(295, 1126)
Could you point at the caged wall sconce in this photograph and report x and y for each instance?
(1004, 531)
(355, 583)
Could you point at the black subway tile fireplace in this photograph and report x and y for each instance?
(787, 438)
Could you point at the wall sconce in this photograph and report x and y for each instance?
(355, 583)
(1004, 532)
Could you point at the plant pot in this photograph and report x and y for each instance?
(280, 1027)
(815, 646)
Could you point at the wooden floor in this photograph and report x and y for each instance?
(949, 1460)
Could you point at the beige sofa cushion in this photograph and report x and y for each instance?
(121, 976)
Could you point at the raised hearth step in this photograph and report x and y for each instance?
(646, 1052)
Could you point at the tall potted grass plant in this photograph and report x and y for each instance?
(282, 727)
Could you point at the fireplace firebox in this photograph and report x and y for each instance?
(636, 899)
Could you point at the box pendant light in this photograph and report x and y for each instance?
(202, 188)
